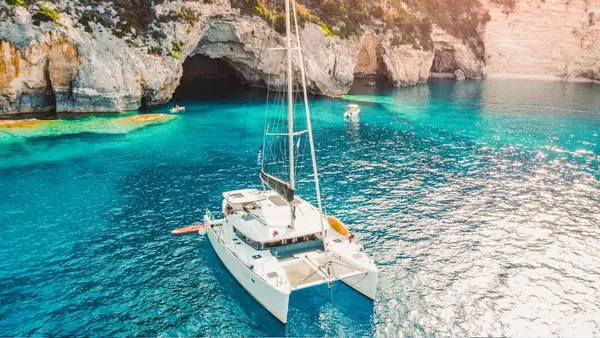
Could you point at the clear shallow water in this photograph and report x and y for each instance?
(479, 201)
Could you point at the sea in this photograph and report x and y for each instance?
(479, 201)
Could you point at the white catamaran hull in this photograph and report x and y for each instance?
(269, 297)
(365, 284)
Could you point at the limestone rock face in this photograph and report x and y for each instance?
(459, 75)
(406, 66)
(369, 62)
(552, 37)
(402, 65)
(256, 52)
(72, 66)
(452, 54)
(67, 68)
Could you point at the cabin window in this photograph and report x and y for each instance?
(313, 237)
(269, 245)
(256, 245)
(239, 234)
(277, 200)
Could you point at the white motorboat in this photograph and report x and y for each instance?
(352, 111)
(273, 241)
(177, 109)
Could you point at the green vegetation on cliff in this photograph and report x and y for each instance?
(16, 2)
(410, 21)
(45, 14)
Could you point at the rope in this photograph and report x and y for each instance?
(332, 302)
(260, 51)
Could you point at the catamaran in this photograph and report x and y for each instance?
(271, 240)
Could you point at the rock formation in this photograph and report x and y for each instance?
(89, 58)
(68, 69)
(407, 66)
(401, 65)
(549, 38)
(451, 54)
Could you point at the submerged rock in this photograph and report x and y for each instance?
(145, 119)
(459, 75)
(11, 130)
(24, 124)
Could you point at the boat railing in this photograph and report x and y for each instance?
(210, 216)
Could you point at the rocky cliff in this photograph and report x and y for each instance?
(554, 38)
(99, 56)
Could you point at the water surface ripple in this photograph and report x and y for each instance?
(479, 201)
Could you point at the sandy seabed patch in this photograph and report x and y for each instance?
(27, 128)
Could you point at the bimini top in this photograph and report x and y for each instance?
(244, 196)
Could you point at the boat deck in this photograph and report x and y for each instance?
(299, 272)
(338, 267)
(303, 271)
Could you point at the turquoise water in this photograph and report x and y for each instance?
(479, 201)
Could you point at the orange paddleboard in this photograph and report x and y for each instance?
(187, 230)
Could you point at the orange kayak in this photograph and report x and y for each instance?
(187, 230)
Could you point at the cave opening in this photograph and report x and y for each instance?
(444, 64)
(209, 79)
(370, 71)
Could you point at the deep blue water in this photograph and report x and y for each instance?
(479, 201)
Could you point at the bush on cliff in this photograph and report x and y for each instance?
(188, 15)
(45, 14)
(16, 2)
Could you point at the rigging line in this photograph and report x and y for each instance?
(245, 119)
(260, 50)
(309, 127)
(332, 303)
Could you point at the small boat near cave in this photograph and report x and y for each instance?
(273, 241)
(177, 109)
(352, 112)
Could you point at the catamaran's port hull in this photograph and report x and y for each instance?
(269, 297)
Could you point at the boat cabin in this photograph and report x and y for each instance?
(261, 219)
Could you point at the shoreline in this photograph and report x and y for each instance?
(539, 77)
(53, 115)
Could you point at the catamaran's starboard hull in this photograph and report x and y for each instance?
(365, 284)
(270, 298)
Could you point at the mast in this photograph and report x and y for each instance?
(309, 124)
(290, 94)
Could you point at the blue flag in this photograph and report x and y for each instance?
(259, 157)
